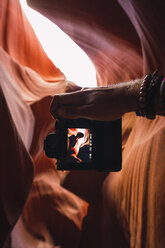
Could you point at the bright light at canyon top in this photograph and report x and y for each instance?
(63, 52)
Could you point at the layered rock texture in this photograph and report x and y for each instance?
(41, 207)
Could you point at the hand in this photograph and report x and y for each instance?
(102, 103)
(71, 87)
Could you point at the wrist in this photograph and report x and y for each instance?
(131, 94)
(150, 95)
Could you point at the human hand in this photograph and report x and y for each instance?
(71, 87)
(101, 103)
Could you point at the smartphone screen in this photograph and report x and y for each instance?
(79, 145)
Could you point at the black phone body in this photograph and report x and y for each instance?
(83, 144)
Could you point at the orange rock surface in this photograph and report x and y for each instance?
(41, 207)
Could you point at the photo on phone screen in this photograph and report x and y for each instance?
(79, 145)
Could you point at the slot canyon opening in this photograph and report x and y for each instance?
(61, 49)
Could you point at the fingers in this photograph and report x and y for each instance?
(53, 106)
(58, 101)
(67, 98)
(75, 112)
(72, 100)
